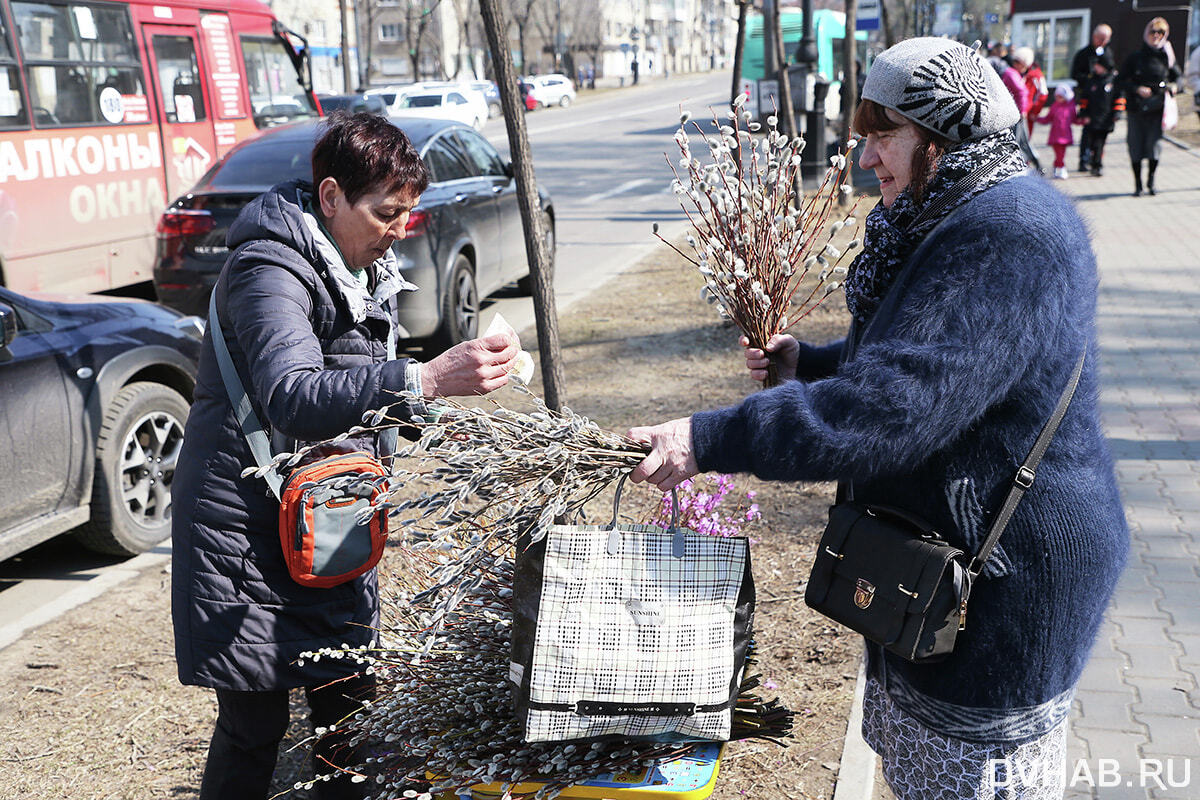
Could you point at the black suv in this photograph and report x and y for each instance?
(94, 393)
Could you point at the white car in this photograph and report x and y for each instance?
(440, 104)
(475, 94)
(551, 90)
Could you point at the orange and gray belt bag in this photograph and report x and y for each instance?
(325, 540)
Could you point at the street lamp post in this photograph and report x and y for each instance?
(815, 88)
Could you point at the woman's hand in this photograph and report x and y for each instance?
(671, 460)
(1144, 91)
(475, 367)
(783, 346)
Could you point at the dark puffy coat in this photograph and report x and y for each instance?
(1099, 103)
(310, 371)
(936, 411)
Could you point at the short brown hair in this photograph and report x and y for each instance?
(364, 152)
(871, 117)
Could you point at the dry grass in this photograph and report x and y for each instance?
(90, 706)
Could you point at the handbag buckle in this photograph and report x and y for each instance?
(1024, 477)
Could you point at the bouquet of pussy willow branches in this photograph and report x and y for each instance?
(442, 719)
(481, 479)
(768, 257)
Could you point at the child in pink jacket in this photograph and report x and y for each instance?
(1060, 117)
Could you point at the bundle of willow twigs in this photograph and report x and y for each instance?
(443, 718)
(443, 721)
(767, 260)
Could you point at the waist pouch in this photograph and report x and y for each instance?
(323, 542)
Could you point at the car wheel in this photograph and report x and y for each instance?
(136, 454)
(460, 307)
(525, 285)
(494, 110)
(564, 101)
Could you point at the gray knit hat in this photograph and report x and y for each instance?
(941, 85)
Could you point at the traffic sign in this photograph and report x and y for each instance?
(867, 16)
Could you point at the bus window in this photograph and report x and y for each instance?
(81, 63)
(178, 75)
(12, 106)
(275, 91)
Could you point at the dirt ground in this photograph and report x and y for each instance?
(90, 706)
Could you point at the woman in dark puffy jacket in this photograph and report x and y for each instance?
(1143, 78)
(305, 306)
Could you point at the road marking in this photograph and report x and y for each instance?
(502, 135)
(624, 187)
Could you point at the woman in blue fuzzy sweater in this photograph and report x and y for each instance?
(972, 301)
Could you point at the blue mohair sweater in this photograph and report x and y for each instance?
(936, 412)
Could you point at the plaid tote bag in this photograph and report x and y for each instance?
(629, 631)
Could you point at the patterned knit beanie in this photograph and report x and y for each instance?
(943, 86)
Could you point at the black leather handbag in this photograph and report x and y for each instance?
(888, 575)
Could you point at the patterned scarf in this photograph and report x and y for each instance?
(893, 234)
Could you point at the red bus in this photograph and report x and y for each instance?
(108, 110)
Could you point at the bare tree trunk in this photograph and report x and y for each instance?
(888, 39)
(541, 269)
(738, 49)
(344, 15)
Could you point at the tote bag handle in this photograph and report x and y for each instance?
(614, 535)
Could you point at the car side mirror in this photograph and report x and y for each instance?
(8, 329)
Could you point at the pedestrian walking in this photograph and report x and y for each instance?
(1039, 92)
(1085, 57)
(1100, 106)
(1060, 117)
(974, 296)
(306, 307)
(1144, 79)
(1013, 78)
(998, 57)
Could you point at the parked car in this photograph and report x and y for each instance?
(475, 93)
(442, 103)
(464, 239)
(491, 96)
(95, 393)
(553, 89)
(352, 103)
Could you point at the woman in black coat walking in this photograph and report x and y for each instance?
(305, 306)
(1144, 77)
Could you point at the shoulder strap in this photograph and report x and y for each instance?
(1027, 471)
(256, 437)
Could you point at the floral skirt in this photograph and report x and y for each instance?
(922, 764)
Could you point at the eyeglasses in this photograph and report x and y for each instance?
(1158, 32)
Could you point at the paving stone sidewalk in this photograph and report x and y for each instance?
(1135, 727)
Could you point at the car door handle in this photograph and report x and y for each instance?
(462, 199)
(497, 189)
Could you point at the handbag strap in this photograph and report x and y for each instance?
(252, 429)
(1023, 479)
(614, 537)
